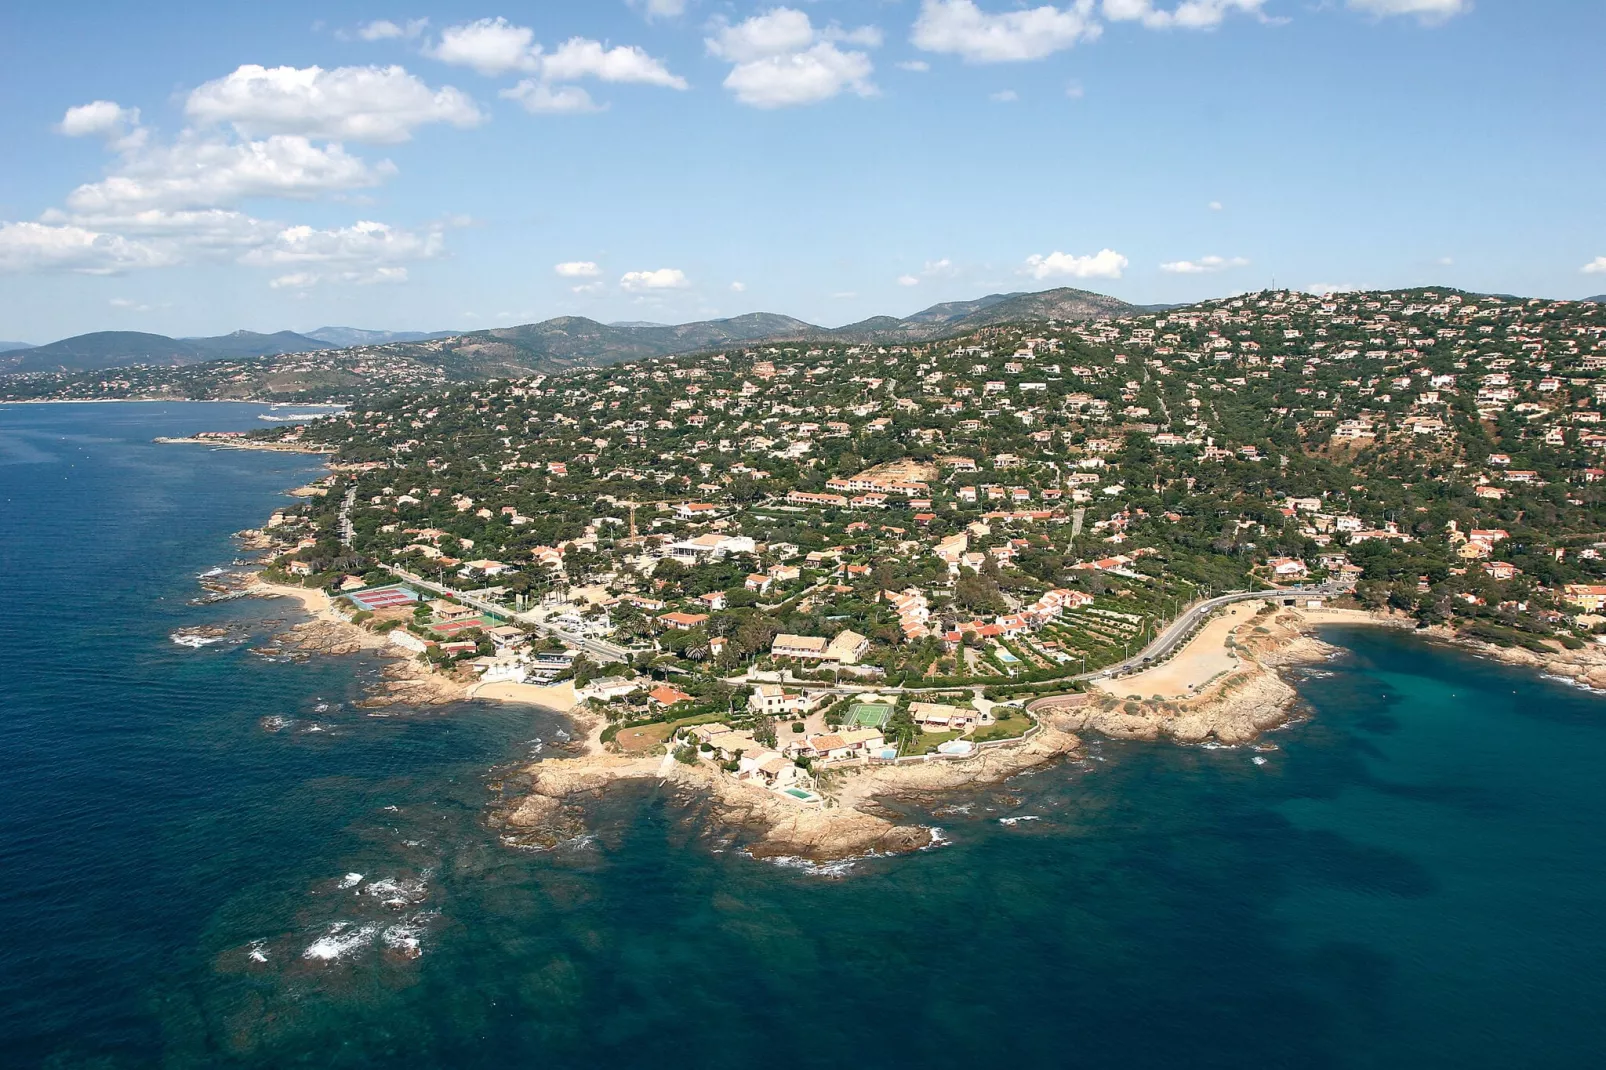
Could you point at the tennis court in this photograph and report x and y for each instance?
(383, 597)
(868, 715)
(452, 627)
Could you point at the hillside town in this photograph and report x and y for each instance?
(782, 556)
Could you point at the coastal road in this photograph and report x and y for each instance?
(348, 531)
(1182, 629)
(1161, 647)
(597, 648)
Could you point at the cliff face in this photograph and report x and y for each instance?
(1586, 667)
(1237, 710)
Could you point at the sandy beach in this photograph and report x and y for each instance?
(1206, 657)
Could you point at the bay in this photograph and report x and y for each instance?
(208, 857)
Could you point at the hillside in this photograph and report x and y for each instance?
(568, 341)
(252, 344)
(562, 342)
(355, 336)
(101, 350)
(119, 349)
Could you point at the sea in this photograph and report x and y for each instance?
(211, 857)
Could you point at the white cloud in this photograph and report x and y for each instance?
(203, 229)
(1596, 266)
(662, 279)
(538, 98)
(377, 104)
(660, 9)
(781, 60)
(919, 66)
(771, 34)
(1205, 265)
(863, 37)
(367, 243)
(1429, 11)
(1004, 96)
(1074, 90)
(306, 280)
(34, 247)
(1104, 264)
(818, 74)
(959, 27)
(127, 305)
(103, 118)
(1188, 15)
(579, 58)
(578, 269)
(490, 46)
(738, 287)
(386, 30)
(199, 172)
(1215, 206)
(1321, 289)
(933, 269)
(496, 46)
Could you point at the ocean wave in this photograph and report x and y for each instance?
(829, 870)
(195, 642)
(350, 880)
(341, 940)
(406, 937)
(275, 723)
(398, 891)
(1570, 682)
(257, 951)
(939, 838)
(1018, 820)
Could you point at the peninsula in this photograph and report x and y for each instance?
(797, 577)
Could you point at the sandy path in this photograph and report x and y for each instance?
(1204, 658)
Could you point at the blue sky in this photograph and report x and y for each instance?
(190, 168)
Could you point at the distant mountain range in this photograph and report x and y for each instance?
(571, 341)
(1598, 300)
(353, 336)
(120, 349)
(567, 341)
(6, 347)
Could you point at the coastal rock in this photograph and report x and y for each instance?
(319, 637)
(786, 830)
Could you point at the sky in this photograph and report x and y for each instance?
(197, 168)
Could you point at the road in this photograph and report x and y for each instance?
(597, 648)
(1162, 647)
(1181, 629)
(347, 530)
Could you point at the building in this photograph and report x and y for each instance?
(712, 547)
(684, 622)
(845, 649)
(942, 718)
(1589, 597)
(773, 700)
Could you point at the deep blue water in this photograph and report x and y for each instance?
(1412, 878)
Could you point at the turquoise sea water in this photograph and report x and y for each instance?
(1412, 878)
